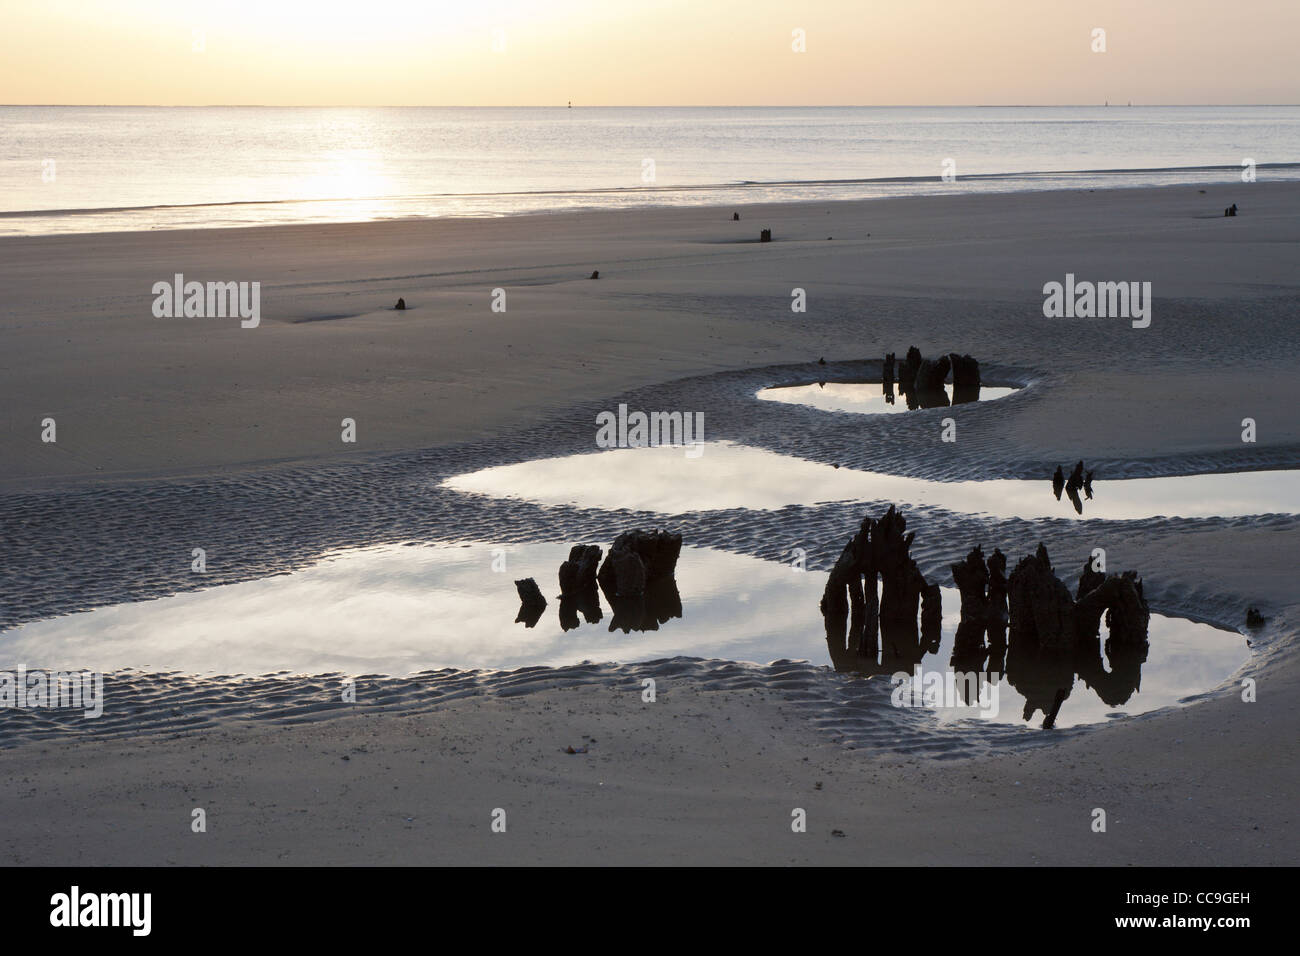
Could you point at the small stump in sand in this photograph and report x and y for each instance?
(595, 273)
(765, 235)
(401, 305)
(531, 602)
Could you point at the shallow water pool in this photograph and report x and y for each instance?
(875, 398)
(401, 609)
(723, 475)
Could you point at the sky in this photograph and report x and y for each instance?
(648, 52)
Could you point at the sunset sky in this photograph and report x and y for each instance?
(647, 52)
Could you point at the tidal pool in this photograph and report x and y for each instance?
(723, 475)
(402, 609)
(875, 398)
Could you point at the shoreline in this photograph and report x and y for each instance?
(738, 202)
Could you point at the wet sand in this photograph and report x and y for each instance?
(172, 431)
(681, 292)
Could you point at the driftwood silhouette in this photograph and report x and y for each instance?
(878, 556)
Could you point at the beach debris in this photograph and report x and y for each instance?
(878, 552)
(529, 592)
(578, 586)
(578, 573)
(595, 273)
(531, 602)
(735, 217)
(1254, 620)
(932, 373)
(401, 305)
(638, 557)
(1072, 486)
(1231, 210)
(1042, 612)
(921, 380)
(1078, 480)
(637, 579)
(972, 579)
(907, 374)
(575, 750)
(1128, 618)
(1041, 609)
(765, 235)
(997, 595)
(1053, 636)
(931, 609)
(982, 583)
(965, 369)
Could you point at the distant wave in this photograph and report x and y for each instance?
(656, 189)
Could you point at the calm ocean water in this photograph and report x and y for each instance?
(93, 169)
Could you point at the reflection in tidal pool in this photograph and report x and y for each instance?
(873, 398)
(398, 610)
(725, 475)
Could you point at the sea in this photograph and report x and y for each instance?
(78, 169)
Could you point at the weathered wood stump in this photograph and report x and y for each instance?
(531, 602)
(965, 370)
(1042, 611)
(578, 573)
(972, 579)
(878, 553)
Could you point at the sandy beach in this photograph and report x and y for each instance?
(176, 430)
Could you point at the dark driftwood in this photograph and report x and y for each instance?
(1042, 611)
(965, 370)
(1044, 614)
(637, 558)
(578, 574)
(907, 372)
(531, 602)
(578, 586)
(931, 374)
(972, 579)
(878, 553)
(997, 602)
